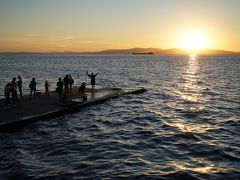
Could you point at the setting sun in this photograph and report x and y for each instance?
(193, 41)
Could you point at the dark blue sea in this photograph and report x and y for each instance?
(186, 126)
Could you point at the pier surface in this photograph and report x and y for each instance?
(45, 107)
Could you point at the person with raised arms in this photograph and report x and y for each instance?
(93, 78)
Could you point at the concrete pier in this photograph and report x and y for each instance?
(44, 107)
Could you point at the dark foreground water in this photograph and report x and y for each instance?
(186, 126)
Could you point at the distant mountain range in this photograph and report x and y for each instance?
(142, 51)
(173, 51)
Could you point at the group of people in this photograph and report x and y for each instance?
(93, 82)
(64, 86)
(11, 89)
(66, 83)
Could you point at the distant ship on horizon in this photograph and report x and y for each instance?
(142, 53)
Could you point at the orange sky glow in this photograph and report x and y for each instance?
(92, 25)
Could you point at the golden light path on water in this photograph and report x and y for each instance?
(192, 80)
(192, 85)
(190, 93)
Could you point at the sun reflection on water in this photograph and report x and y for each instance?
(191, 87)
(186, 127)
(200, 166)
(192, 64)
(193, 57)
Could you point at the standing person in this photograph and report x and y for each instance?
(14, 90)
(47, 87)
(33, 87)
(71, 82)
(7, 92)
(60, 87)
(93, 81)
(66, 81)
(19, 83)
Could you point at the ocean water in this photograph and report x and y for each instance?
(186, 126)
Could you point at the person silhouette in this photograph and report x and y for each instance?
(19, 83)
(60, 84)
(66, 83)
(82, 88)
(33, 87)
(14, 90)
(7, 92)
(93, 77)
(70, 82)
(46, 85)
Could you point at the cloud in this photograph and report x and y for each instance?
(61, 38)
(87, 42)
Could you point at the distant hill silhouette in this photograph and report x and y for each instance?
(146, 51)
(173, 51)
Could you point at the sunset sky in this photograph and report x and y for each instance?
(92, 25)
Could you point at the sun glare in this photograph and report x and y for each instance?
(193, 41)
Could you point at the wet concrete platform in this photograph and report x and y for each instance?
(44, 107)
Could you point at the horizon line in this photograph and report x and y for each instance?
(107, 51)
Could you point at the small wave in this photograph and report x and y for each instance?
(145, 133)
(189, 127)
(185, 135)
(190, 114)
(194, 113)
(231, 156)
(209, 93)
(231, 120)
